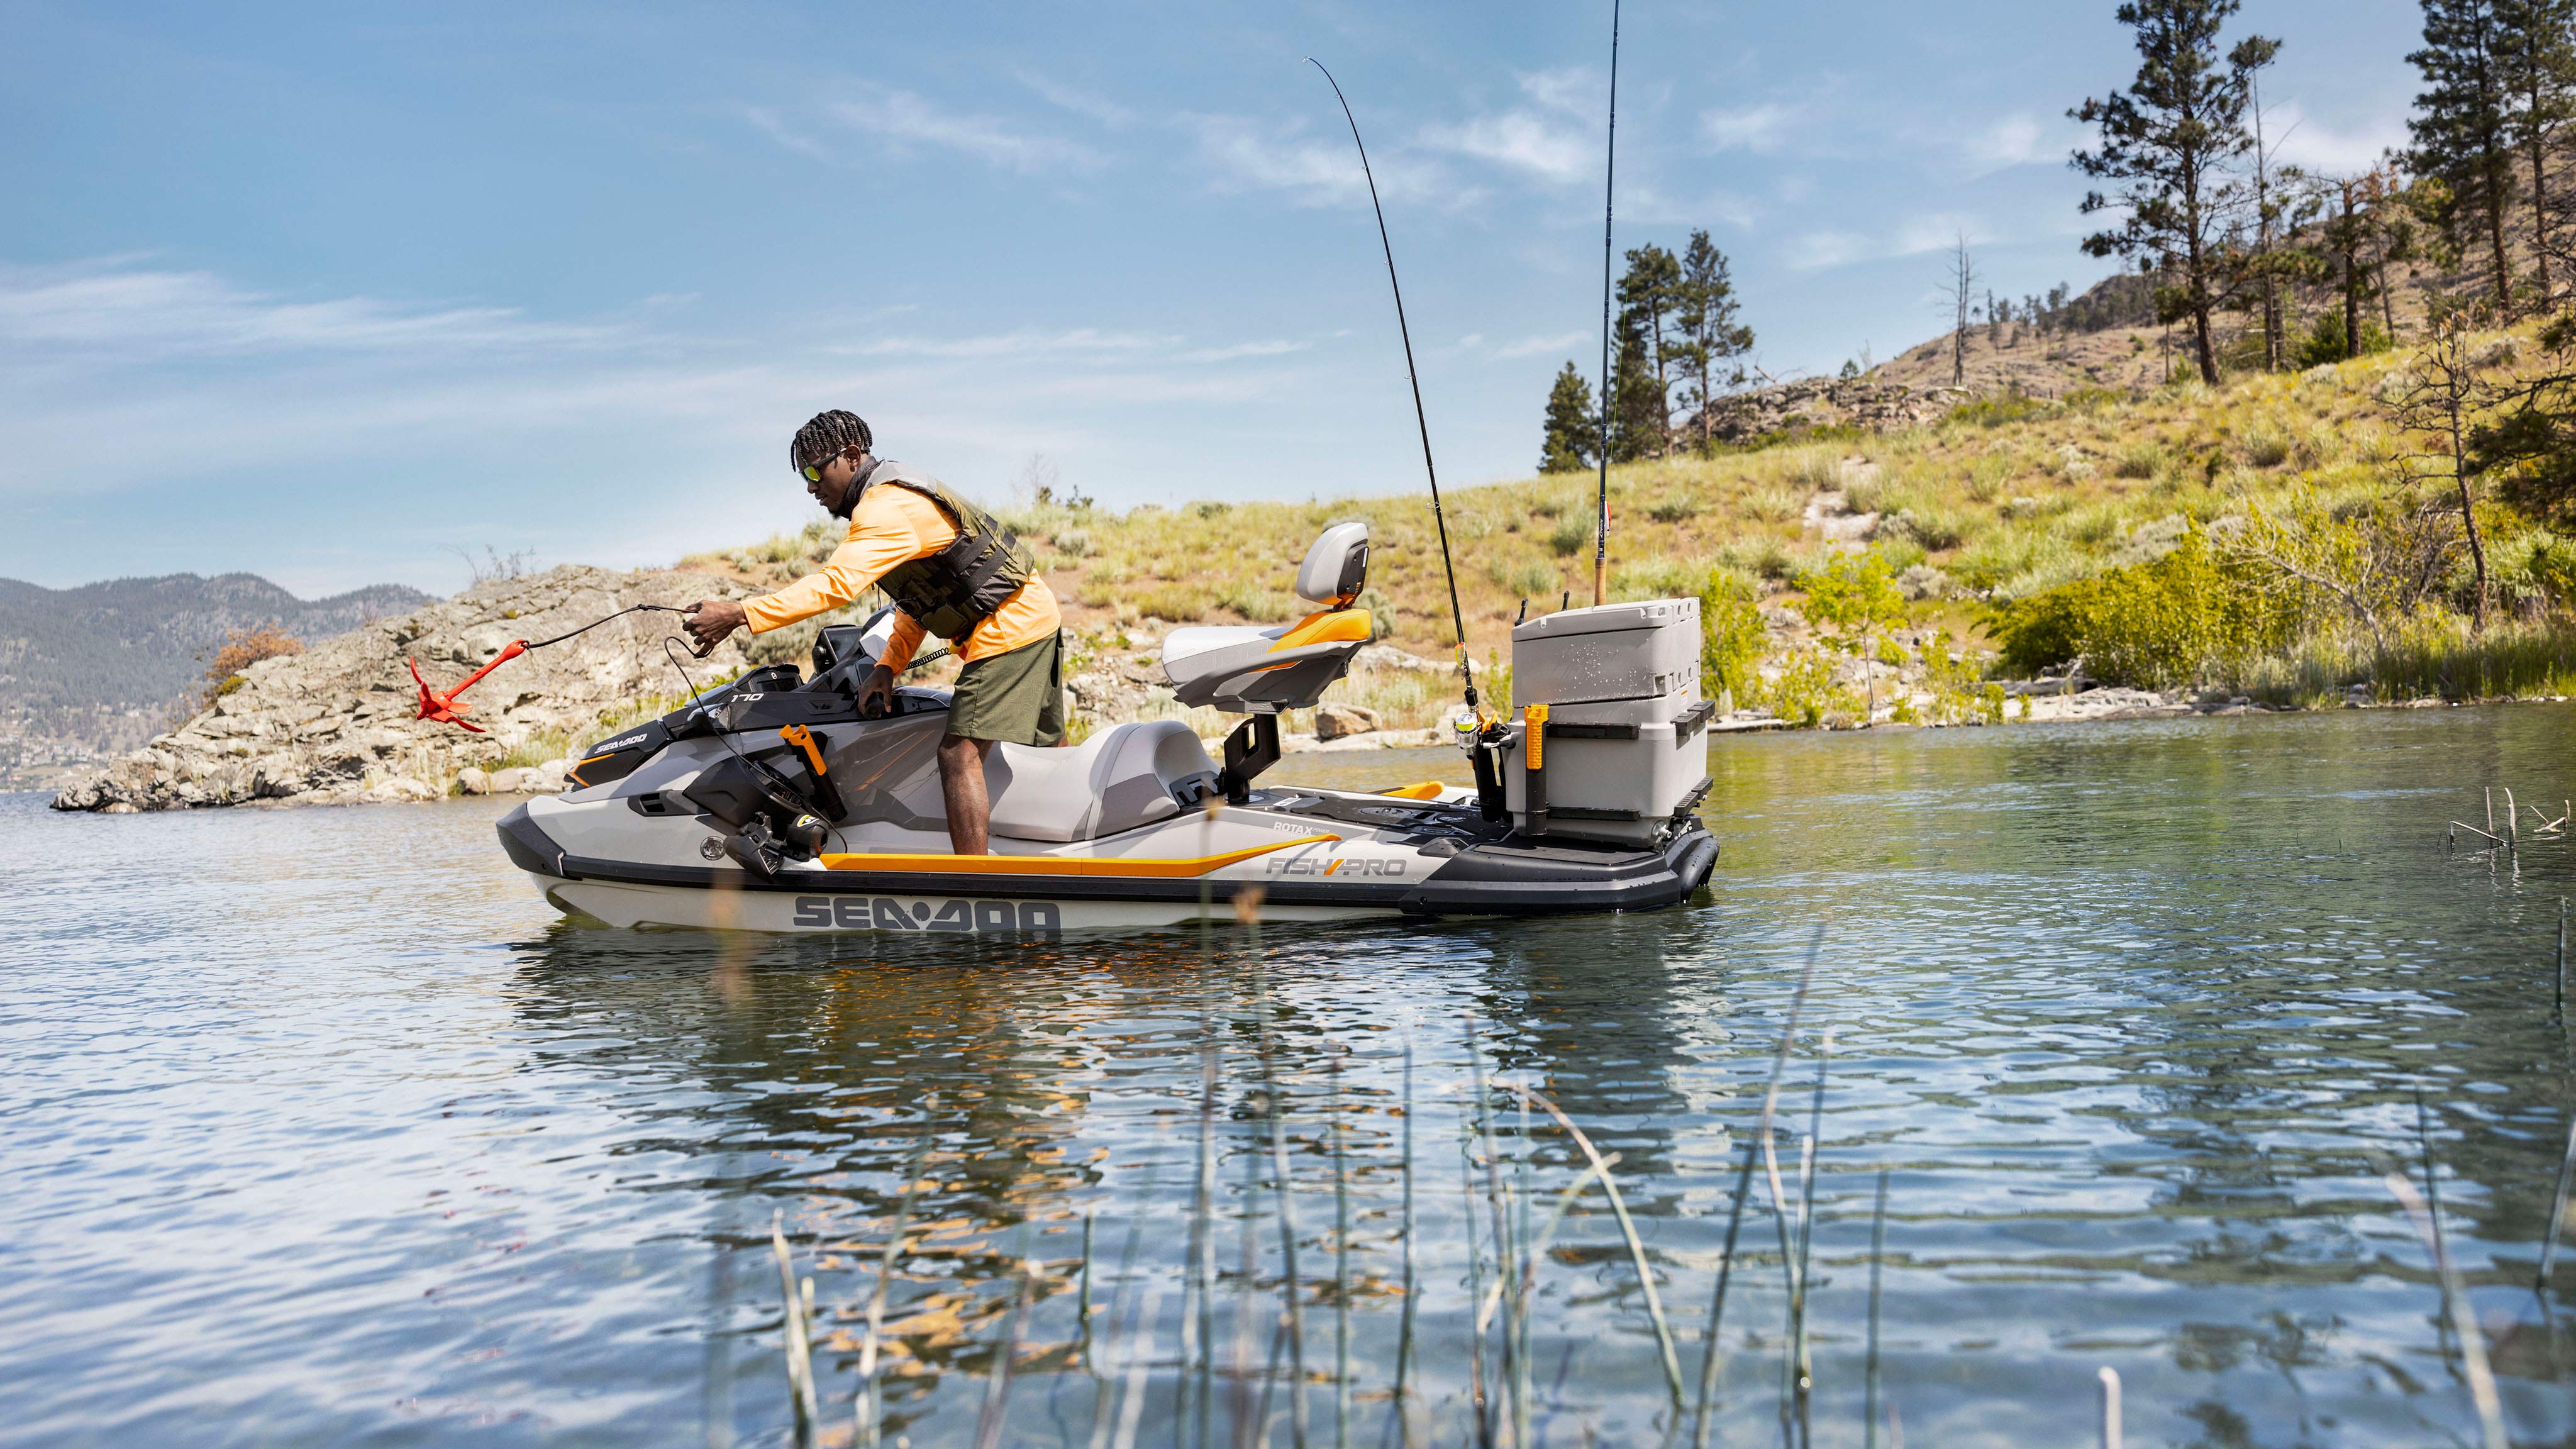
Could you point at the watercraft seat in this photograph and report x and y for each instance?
(1250, 669)
(1125, 776)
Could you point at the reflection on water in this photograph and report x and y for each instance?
(321, 1128)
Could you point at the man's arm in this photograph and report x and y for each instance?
(879, 539)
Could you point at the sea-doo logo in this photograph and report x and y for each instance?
(1339, 865)
(613, 746)
(884, 913)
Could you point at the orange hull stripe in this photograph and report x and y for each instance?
(1427, 790)
(1133, 867)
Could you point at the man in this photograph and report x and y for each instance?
(954, 572)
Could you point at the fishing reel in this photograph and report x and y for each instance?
(1479, 734)
(763, 851)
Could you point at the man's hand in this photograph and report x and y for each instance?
(709, 621)
(877, 695)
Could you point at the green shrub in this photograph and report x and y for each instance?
(1804, 692)
(1256, 603)
(2325, 342)
(1672, 508)
(1732, 636)
(2265, 446)
(1933, 528)
(1774, 505)
(2182, 619)
(1522, 578)
(2137, 460)
(1569, 536)
(1995, 412)
(1175, 603)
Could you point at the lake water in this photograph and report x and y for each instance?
(320, 1128)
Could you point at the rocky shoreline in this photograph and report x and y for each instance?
(336, 725)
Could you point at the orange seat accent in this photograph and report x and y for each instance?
(1427, 790)
(1331, 626)
(1138, 867)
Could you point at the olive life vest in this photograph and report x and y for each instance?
(949, 592)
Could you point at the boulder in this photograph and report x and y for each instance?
(471, 781)
(509, 782)
(1334, 721)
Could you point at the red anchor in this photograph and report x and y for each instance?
(442, 707)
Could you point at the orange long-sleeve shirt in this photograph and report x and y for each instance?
(894, 525)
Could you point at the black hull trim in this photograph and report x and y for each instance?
(1542, 880)
(1494, 879)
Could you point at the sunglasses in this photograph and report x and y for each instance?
(813, 472)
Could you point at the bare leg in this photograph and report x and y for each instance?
(961, 785)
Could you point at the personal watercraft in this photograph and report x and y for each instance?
(773, 803)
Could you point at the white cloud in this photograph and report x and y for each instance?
(1236, 352)
(776, 128)
(1760, 129)
(1086, 104)
(1819, 249)
(1575, 90)
(2012, 141)
(145, 315)
(1934, 232)
(2302, 141)
(1078, 340)
(1248, 156)
(1524, 140)
(1553, 342)
(907, 120)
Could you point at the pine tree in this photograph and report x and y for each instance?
(2168, 142)
(1637, 421)
(2461, 125)
(1566, 446)
(2539, 65)
(1707, 336)
(1647, 294)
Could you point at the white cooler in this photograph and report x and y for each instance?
(1626, 741)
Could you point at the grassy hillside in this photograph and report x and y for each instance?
(2002, 502)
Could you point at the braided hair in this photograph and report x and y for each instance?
(828, 435)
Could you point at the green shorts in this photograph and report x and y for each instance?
(1016, 697)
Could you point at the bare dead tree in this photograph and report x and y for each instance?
(1962, 288)
(2439, 400)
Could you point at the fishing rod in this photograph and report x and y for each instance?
(1457, 617)
(1609, 184)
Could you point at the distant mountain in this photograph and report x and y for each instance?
(98, 669)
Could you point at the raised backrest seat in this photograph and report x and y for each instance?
(1125, 776)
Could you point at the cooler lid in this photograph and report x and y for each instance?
(1609, 619)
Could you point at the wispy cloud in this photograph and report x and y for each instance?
(1030, 343)
(1552, 342)
(1089, 105)
(1760, 129)
(1547, 138)
(905, 121)
(1911, 236)
(2304, 141)
(143, 314)
(1246, 155)
(2013, 141)
(776, 127)
(1236, 352)
(1523, 140)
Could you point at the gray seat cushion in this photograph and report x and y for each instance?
(1123, 777)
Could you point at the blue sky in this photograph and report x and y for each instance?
(324, 292)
